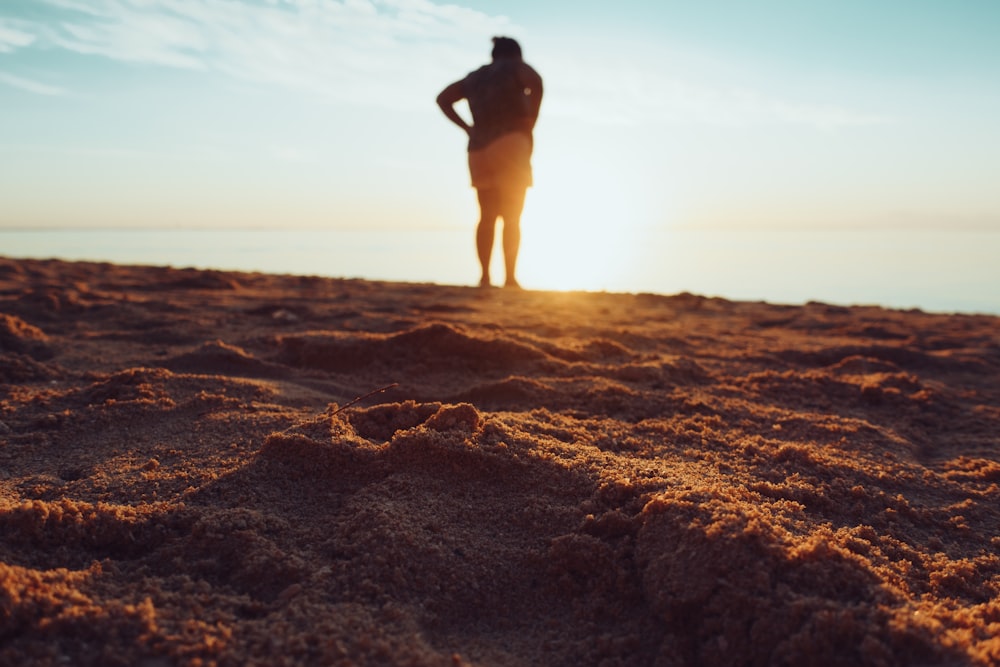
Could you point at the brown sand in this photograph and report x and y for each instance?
(557, 479)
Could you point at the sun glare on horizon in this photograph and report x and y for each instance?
(579, 223)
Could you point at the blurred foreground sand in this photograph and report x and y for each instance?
(556, 479)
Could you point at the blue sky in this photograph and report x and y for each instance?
(320, 113)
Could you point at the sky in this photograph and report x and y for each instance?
(669, 114)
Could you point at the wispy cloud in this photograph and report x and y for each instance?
(741, 106)
(344, 49)
(13, 38)
(29, 85)
(392, 53)
(638, 92)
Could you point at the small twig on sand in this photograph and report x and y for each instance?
(361, 398)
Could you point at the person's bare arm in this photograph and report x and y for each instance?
(447, 100)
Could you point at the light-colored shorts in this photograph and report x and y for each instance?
(505, 163)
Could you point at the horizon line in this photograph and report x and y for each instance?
(966, 227)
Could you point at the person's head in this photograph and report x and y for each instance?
(505, 47)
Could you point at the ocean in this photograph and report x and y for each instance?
(935, 271)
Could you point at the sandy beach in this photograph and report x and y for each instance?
(536, 478)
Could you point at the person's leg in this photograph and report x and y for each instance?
(489, 211)
(510, 211)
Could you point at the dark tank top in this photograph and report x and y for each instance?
(497, 102)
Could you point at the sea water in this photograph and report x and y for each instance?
(931, 270)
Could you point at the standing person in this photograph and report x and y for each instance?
(504, 98)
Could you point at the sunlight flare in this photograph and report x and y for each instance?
(579, 225)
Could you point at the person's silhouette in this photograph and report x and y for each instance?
(504, 98)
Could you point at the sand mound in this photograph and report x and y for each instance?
(219, 358)
(424, 346)
(187, 476)
(18, 336)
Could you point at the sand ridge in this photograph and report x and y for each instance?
(552, 478)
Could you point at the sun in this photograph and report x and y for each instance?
(576, 231)
(568, 253)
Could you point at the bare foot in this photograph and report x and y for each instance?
(512, 284)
